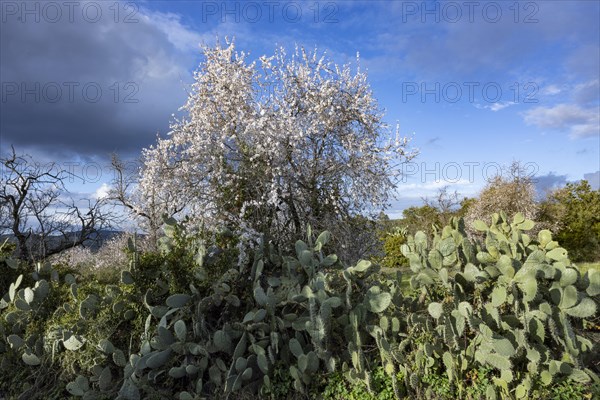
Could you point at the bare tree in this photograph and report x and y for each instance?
(36, 212)
(445, 202)
(511, 191)
(147, 210)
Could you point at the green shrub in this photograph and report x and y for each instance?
(336, 387)
(392, 244)
(499, 319)
(512, 303)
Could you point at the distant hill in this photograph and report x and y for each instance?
(94, 243)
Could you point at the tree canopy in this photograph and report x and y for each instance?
(276, 144)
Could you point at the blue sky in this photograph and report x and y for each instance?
(475, 84)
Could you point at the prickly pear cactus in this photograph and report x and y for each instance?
(511, 303)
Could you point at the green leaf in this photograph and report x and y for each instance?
(529, 288)
(180, 330)
(435, 310)
(105, 379)
(324, 238)
(497, 361)
(498, 296)
(421, 239)
(223, 341)
(306, 257)
(447, 246)
(546, 378)
(119, 358)
(263, 364)
(185, 396)
(15, 341)
(129, 391)
(569, 297)
(585, 309)
(506, 375)
(579, 376)
(593, 288)
(559, 367)
(73, 343)
(12, 263)
(248, 317)
(544, 237)
(42, 288)
(127, 278)
(518, 218)
(568, 277)
(377, 302)
(247, 374)
(22, 305)
(178, 300)
(557, 254)
(296, 348)
(526, 225)
(106, 346)
(300, 247)
(69, 279)
(177, 372)
(436, 258)
(31, 359)
(480, 226)
(485, 258)
(240, 348)
(118, 307)
(260, 296)
(465, 309)
(362, 266)
(260, 315)
(158, 359)
(329, 260)
(28, 295)
(303, 362)
(333, 302)
(520, 392)
(536, 329)
(503, 347)
(490, 393)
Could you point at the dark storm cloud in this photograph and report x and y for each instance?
(593, 179)
(81, 88)
(545, 183)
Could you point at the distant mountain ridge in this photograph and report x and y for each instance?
(93, 243)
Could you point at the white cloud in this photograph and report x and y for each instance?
(580, 122)
(496, 106)
(101, 192)
(587, 92)
(433, 185)
(551, 90)
(182, 37)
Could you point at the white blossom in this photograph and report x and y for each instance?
(309, 152)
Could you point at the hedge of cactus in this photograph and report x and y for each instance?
(513, 304)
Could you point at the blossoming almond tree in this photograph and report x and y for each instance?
(273, 145)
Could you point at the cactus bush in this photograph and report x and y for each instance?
(512, 303)
(192, 323)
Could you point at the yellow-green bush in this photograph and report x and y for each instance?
(392, 244)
